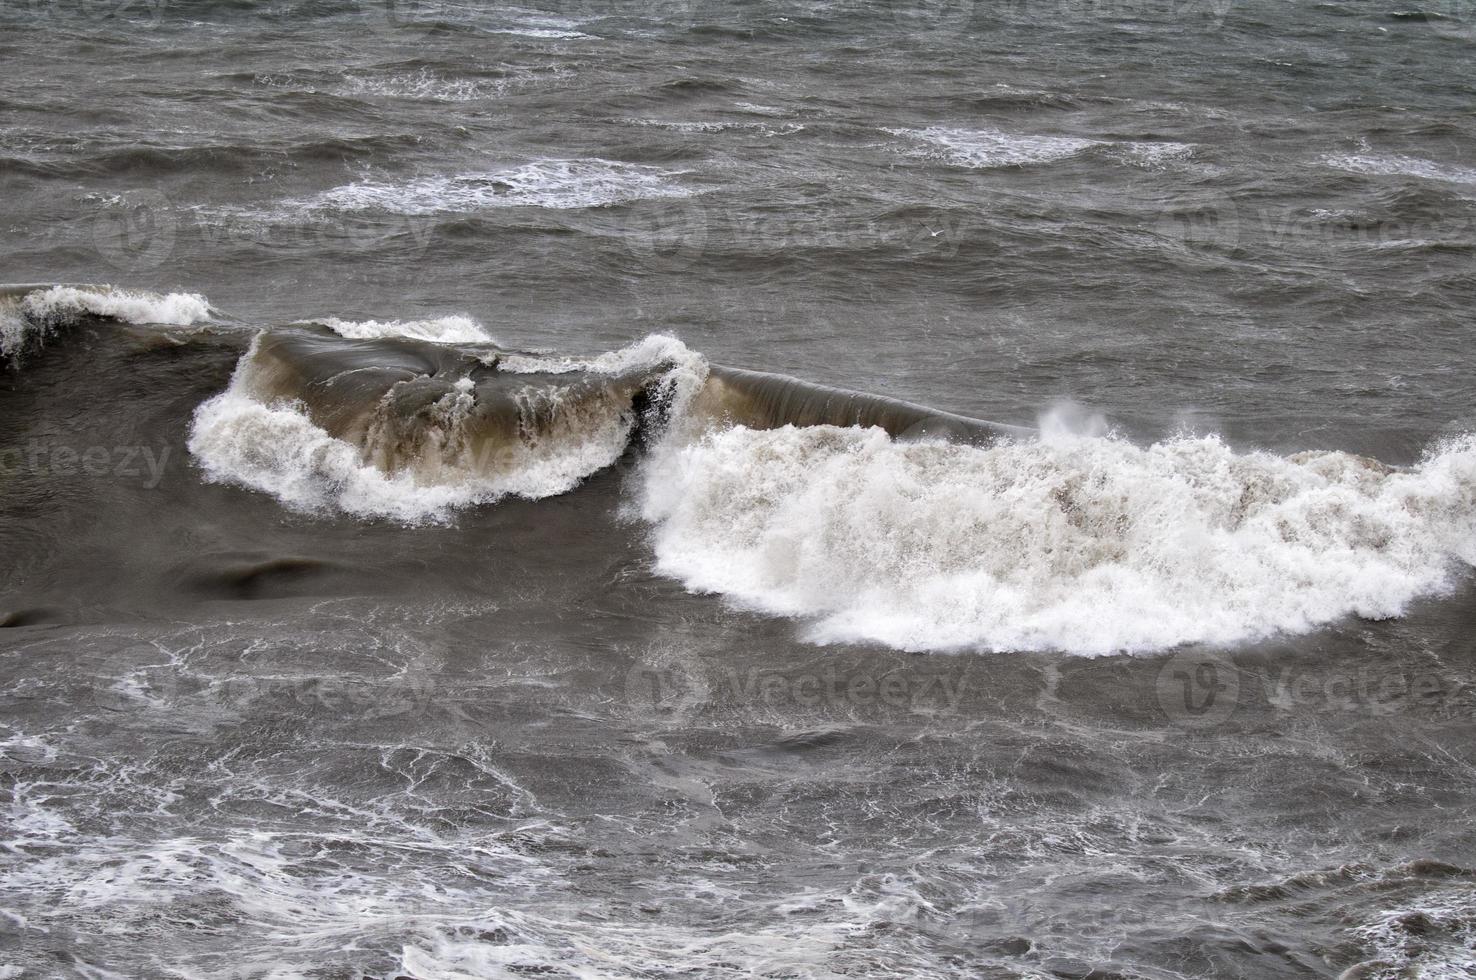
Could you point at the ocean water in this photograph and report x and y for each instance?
(682, 488)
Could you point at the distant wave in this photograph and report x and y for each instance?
(717, 126)
(420, 83)
(542, 33)
(990, 148)
(1393, 164)
(562, 184)
(30, 315)
(1153, 155)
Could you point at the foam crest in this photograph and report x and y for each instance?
(986, 148)
(1397, 165)
(1087, 545)
(989, 148)
(558, 184)
(454, 329)
(130, 306)
(29, 318)
(1154, 155)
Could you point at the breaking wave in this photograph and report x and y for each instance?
(1089, 545)
(416, 439)
(867, 518)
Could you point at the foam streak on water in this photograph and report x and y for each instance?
(558, 184)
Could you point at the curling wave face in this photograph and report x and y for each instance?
(409, 430)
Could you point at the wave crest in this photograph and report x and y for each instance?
(453, 329)
(30, 315)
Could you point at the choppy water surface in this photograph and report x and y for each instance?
(722, 490)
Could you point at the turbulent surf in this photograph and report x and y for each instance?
(665, 490)
(865, 518)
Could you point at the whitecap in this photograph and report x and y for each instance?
(558, 184)
(1393, 164)
(32, 317)
(454, 329)
(987, 148)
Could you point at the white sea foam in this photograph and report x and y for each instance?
(16, 331)
(715, 126)
(560, 184)
(652, 349)
(277, 449)
(131, 306)
(989, 148)
(1088, 545)
(422, 84)
(542, 33)
(34, 316)
(986, 148)
(455, 329)
(1434, 936)
(1154, 155)
(1393, 164)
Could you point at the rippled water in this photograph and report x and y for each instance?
(407, 573)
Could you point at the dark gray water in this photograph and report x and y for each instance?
(405, 574)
